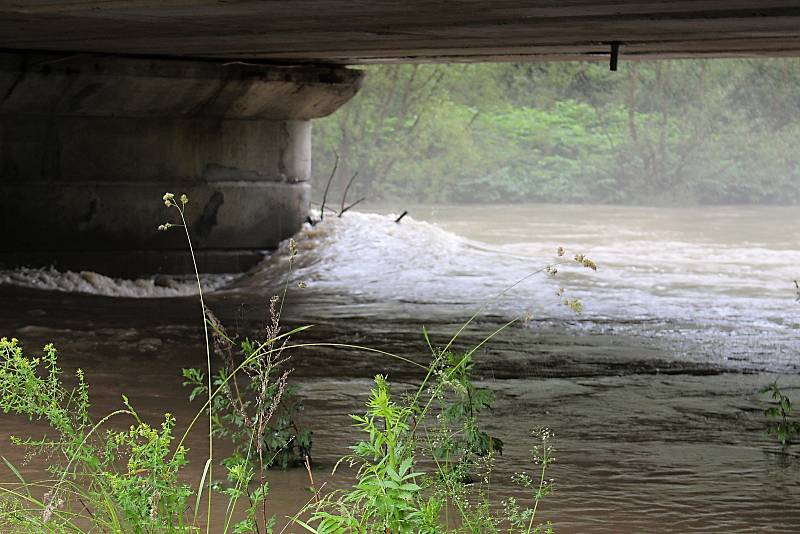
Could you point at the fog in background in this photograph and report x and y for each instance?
(653, 133)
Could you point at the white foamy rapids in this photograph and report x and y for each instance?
(98, 284)
(655, 272)
(657, 278)
(375, 261)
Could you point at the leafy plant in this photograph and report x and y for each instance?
(460, 440)
(259, 408)
(259, 416)
(779, 414)
(257, 411)
(436, 425)
(386, 496)
(114, 481)
(393, 495)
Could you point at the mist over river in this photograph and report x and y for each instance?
(651, 391)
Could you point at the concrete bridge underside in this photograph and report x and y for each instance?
(370, 31)
(106, 104)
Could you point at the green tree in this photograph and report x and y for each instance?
(700, 131)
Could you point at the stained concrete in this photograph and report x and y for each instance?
(383, 31)
(89, 145)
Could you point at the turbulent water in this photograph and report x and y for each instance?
(98, 284)
(652, 390)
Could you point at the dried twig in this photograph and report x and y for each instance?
(344, 195)
(328, 186)
(353, 205)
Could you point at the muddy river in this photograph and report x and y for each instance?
(651, 391)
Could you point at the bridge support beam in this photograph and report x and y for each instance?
(89, 144)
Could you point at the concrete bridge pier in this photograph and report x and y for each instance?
(89, 144)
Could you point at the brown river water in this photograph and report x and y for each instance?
(652, 391)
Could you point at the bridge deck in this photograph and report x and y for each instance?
(379, 31)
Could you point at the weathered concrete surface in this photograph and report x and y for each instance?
(86, 85)
(89, 145)
(369, 31)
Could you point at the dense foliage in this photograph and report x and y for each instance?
(667, 132)
(101, 480)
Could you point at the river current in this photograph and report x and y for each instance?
(651, 391)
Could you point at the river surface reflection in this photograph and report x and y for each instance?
(652, 391)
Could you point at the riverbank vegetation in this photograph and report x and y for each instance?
(101, 480)
(424, 465)
(665, 132)
(780, 418)
(411, 467)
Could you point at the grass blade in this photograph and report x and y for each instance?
(200, 490)
(17, 474)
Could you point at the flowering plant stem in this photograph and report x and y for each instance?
(169, 201)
